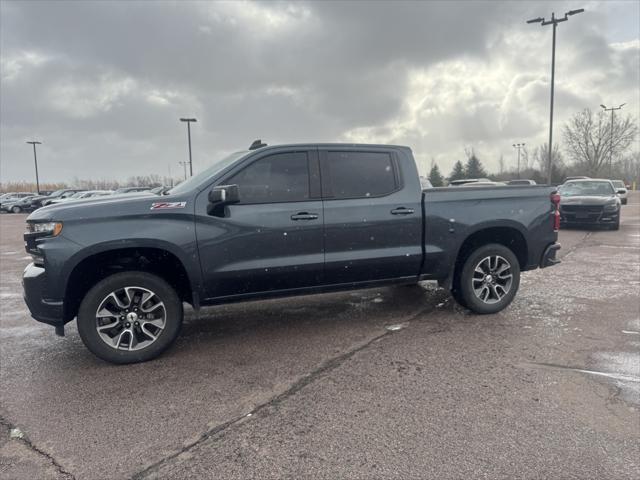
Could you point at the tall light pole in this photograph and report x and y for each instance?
(554, 21)
(189, 120)
(612, 109)
(519, 146)
(35, 160)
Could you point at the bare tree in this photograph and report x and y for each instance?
(629, 167)
(590, 139)
(501, 164)
(541, 158)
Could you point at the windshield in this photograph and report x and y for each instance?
(586, 189)
(57, 193)
(618, 183)
(196, 180)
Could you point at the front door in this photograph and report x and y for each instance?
(271, 240)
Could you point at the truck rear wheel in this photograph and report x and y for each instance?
(129, 317)
(489, 279)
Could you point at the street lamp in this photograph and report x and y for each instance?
(612, 109)
(35, 159)
(554, 21)
(189, 120)
(519, 146)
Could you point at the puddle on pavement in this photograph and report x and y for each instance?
(623, 370)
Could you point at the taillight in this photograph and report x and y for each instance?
(555, 200)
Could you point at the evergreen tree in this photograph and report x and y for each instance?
(435, 177)
(474, 168)
(458, 172)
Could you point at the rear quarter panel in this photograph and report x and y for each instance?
(452, 214)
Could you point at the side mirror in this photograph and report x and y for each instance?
(224, 194)
(621, 191)
(221, 196)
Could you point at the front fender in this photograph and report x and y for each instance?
(186, 254)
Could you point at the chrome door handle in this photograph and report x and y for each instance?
(402, 211)
(304, 216)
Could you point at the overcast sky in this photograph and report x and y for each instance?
(102, 84)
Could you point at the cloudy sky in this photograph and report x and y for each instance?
(102, 84)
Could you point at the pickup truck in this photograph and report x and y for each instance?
(277, 221)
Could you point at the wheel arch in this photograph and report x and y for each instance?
(511, 235)
(157, 257)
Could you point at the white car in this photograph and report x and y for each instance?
(621, 190)
(82, 196)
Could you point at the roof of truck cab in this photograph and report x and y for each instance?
(330, 145)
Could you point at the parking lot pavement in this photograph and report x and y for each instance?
(321, 387)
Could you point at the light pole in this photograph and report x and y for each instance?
(35, 159)
(554, 21)
(519, 146)
(612, 109)
(189, 120)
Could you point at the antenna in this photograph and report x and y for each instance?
(257, 144)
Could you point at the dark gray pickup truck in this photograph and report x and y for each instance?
(277, 221)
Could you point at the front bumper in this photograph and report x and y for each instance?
(592, 218)
(44, 310)
(549, 255)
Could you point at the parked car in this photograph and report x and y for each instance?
(17, 205)
(272, 222)
(122, 190)
(14, 197)
(43, 200)
(575, 178)
(483, 184)
(590, 201)
(462, 181)
(82, 195)
(621, 190)
(425, 183)
(520, 181)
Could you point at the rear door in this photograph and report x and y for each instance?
(372, 215)
(271, 240)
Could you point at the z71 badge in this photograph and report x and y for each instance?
(167, 205)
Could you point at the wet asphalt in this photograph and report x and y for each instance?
(387, 383)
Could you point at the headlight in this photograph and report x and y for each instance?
(52, 229)
(611, 207)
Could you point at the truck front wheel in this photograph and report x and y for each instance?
(489, 279)
(129, 317)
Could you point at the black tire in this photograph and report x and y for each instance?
(16, 209)
(616, 224)
(171, 310)
(457, 296)
(502, 285)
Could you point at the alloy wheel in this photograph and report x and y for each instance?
(130, 318)
(492, 279)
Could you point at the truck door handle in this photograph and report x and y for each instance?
(304, 216)
(402, 211)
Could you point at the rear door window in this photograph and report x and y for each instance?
(358, 174)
